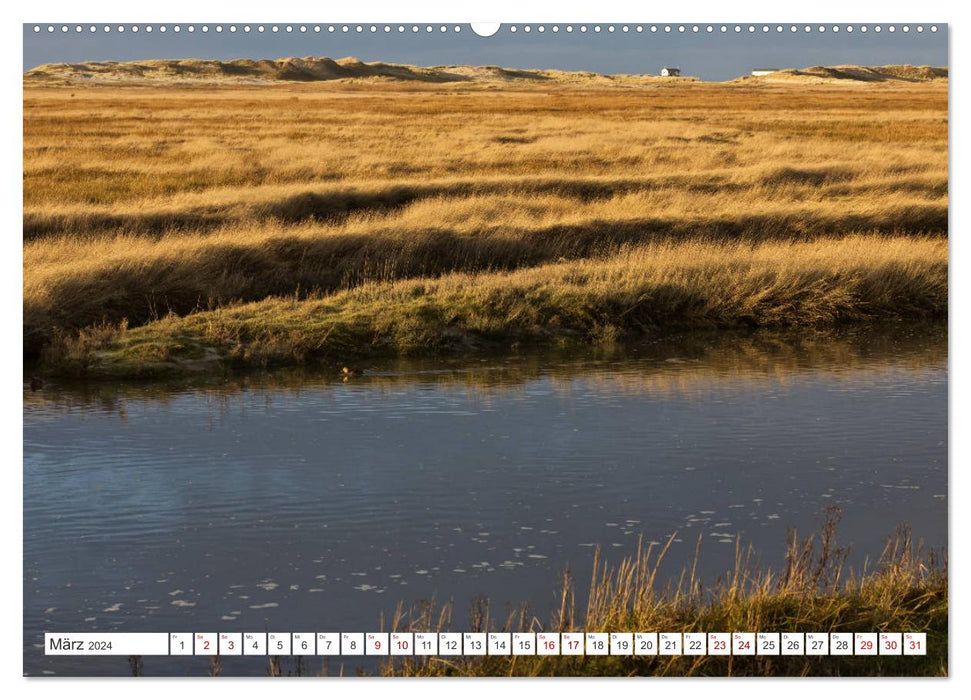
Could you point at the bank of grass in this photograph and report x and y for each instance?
(71, 282)
(680, 365)
(643, 290)
(814, 592)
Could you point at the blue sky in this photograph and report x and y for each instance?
(715, 56)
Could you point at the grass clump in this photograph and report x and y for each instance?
(814, 592)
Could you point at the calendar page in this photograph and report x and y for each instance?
(397, 349)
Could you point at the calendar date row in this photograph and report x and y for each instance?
(489, 643)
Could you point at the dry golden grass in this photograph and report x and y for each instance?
(145, 202)
(692, 284)
(117, 145)
(814, 592)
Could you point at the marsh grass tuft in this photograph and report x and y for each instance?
(815, 591)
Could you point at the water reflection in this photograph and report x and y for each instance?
(694, 362)
(292, 498)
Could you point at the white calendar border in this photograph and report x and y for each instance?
(440, 10)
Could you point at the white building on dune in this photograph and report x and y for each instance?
(670, 72)
(756, 72)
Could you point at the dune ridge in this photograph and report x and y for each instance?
(306, 69)
(351, 69)
(902, 73)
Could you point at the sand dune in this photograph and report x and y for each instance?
(350, 69)
(853, 74)
(309, 69)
